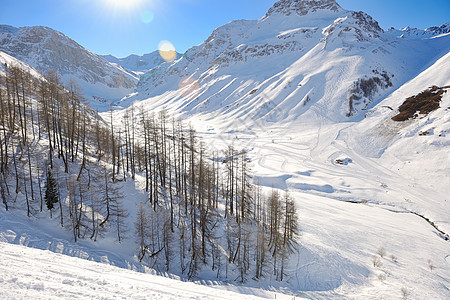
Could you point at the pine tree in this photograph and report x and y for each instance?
(51, 192)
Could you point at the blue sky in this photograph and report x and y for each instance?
(114, 27)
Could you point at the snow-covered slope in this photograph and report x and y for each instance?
(361, 187)
(11, 61)
(372, 193)
(303, 58)
(416, 150)
(46, 49)
(310, 90)
(38, 274)
(138, 64)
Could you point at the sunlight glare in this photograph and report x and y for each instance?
(147, 16)
(189, 87)
(123, 4)
(167, 51)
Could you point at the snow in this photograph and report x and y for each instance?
(289, 111)
(11, 61)
(391, 180)
(38, 274)
(136, 64)
(46, 49)
(282, 61)
(347, 212)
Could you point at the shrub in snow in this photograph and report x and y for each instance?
(430, 265)
(424, 103)
(376, 261)
(405, 293)
(381, 277)
(381, 252)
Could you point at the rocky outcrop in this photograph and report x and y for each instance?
(302, 7)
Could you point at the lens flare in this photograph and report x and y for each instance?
(167, 51)
(189, 87)
(147, 16)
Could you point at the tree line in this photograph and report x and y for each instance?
(203, 211)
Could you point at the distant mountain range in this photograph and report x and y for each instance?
(103, 79)
(136, 64)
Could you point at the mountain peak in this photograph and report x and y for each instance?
(302, 7)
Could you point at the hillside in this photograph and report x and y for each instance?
(316, 60)
(140, 193)
(310, 90)
(267, 158)
(42, 274)
(46, 49)
(362, 188)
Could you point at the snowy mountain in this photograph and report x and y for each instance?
(416, 33)
(47, 49)
(138, 64)
(310, 91)
(9, 60)
(300, 58)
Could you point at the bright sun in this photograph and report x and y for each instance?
(123, 4)
(129, 8)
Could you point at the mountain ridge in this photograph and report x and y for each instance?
(303, 7)
(288, 46)
(47, 49)
(138, 64)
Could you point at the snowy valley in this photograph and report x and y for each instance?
(297, 107)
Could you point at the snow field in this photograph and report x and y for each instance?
(37, 274)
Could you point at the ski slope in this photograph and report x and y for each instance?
(38, 274)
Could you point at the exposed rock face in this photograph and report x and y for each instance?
(443, 29)
(366, 22)
(47, 49)
(303, 7)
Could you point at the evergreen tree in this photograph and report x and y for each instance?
(51, 192)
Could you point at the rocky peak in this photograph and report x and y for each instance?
(367, 22)
(8, 29)
(302, 7)
(445, 28)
